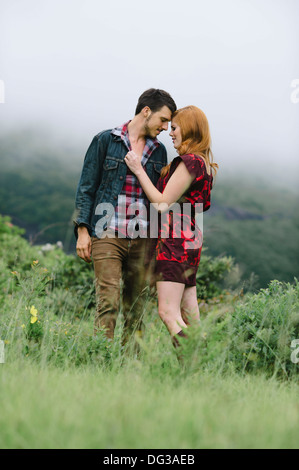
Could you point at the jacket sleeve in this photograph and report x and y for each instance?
(88, 184)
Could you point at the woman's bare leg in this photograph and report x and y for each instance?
(170, 295)
(189, 306)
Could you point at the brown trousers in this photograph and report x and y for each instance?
(121, 266)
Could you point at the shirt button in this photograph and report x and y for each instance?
(114, 197)
(121, 177)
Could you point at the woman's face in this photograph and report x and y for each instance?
(175, 134)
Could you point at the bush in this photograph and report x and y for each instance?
(211, 274)
(256, 336)
(263, 329)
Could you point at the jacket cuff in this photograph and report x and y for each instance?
(81, 224)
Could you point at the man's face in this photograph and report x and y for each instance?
(157, 122)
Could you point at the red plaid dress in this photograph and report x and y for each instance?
(178, 255)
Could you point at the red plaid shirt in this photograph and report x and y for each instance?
(132, 207)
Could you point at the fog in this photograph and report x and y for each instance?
(74, 68)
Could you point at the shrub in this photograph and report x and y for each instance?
(211, 274)
(263, 329)
(255, 336)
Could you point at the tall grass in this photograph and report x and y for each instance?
(63, 387)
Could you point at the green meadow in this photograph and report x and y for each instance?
(64, 388)
(135, 408)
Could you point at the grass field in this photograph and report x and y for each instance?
(50, 408)
(61, 387)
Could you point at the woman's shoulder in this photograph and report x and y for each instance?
(196, 163)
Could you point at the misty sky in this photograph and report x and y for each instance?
(78, 67)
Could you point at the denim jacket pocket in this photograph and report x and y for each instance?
(110, 163)
(110, 169)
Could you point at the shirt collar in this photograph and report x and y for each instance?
(122, 132)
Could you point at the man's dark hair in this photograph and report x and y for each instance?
(155, 99)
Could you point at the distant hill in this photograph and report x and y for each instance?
(258, 225)
(38, 182)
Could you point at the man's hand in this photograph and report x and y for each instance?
(133, 161)
(83, 246)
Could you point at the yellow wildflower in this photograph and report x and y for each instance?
(33, 312)
(35, 262)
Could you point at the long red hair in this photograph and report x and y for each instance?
(196, 137)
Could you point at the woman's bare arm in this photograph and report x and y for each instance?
(175, 188)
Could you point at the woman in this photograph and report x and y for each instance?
(187, 179)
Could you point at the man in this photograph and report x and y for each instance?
(106, 197)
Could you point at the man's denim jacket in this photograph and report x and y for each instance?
(103, 176)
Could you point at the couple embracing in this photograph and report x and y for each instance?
(125, 170)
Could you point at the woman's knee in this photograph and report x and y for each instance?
(166, 315)
(169, 316)
(163, 314)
